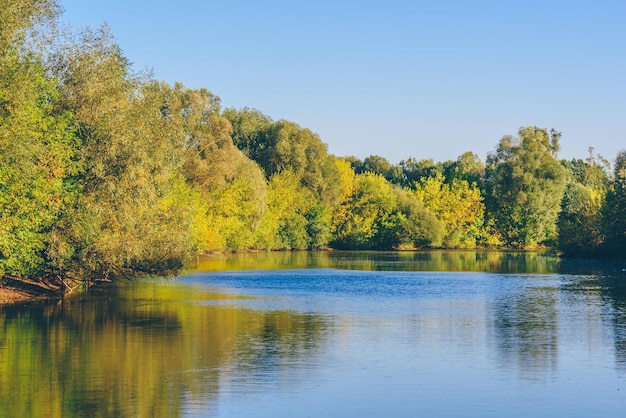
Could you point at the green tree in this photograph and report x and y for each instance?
(525, 185)
(580, 222)
(615, 210)
(250, 128)
(283, 145)
(232, 185)
(418, 226)
(468, 167)
(133, 215)
(285, 224)
(379, 165)
(37, 144)
(414, 170)
(360, 217)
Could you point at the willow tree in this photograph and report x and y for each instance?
(37, 144)
(285, 147)
(525, 183)
(22, 18)
(232, 185)
(132, 214)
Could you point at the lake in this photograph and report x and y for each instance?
(319, 334)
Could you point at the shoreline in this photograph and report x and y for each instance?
(14, 291)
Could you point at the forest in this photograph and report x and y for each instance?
(108, 173)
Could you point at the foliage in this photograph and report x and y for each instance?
(232, 186)
(20, 18)
(580, 222)
(379, 165)
(376, 214)
(525, 185)
(37, 146)
(132, 217)
(289, 217)
(107, 173)
(459, 207)
(615, 210)
(365, 211)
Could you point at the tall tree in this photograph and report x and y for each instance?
(525, 185)
(285, 224)
(37, 144)
(359, 218)
(21, 17)
(580, 223)
(232, 185)
(615, 211)
(284, 145)
(131, 216)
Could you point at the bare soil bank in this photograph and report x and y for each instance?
(16, 290)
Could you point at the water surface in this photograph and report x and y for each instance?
(329, 334)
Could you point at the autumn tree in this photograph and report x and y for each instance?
(360, 217)
(376, 214)
(285, 224)
(285, 147)
(458, 206)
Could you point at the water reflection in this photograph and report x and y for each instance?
(138, 351)
(613, 292)
(431, 260)
(526, 328)
(462, 333)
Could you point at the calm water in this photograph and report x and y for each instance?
(451, 334)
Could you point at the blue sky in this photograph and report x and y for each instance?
(423, 79)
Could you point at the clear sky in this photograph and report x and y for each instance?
(423, 79)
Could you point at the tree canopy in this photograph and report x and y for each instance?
(105, 172)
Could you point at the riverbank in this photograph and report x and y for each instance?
(14, 290)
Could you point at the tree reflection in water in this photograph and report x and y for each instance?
(146, 351)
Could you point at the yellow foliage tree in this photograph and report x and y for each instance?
(458, 205)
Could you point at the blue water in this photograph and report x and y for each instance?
(431, 344)
(329, 334)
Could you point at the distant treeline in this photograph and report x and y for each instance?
(107, 173)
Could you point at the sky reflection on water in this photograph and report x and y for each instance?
(449, 344)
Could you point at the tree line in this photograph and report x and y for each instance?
(106, 173)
